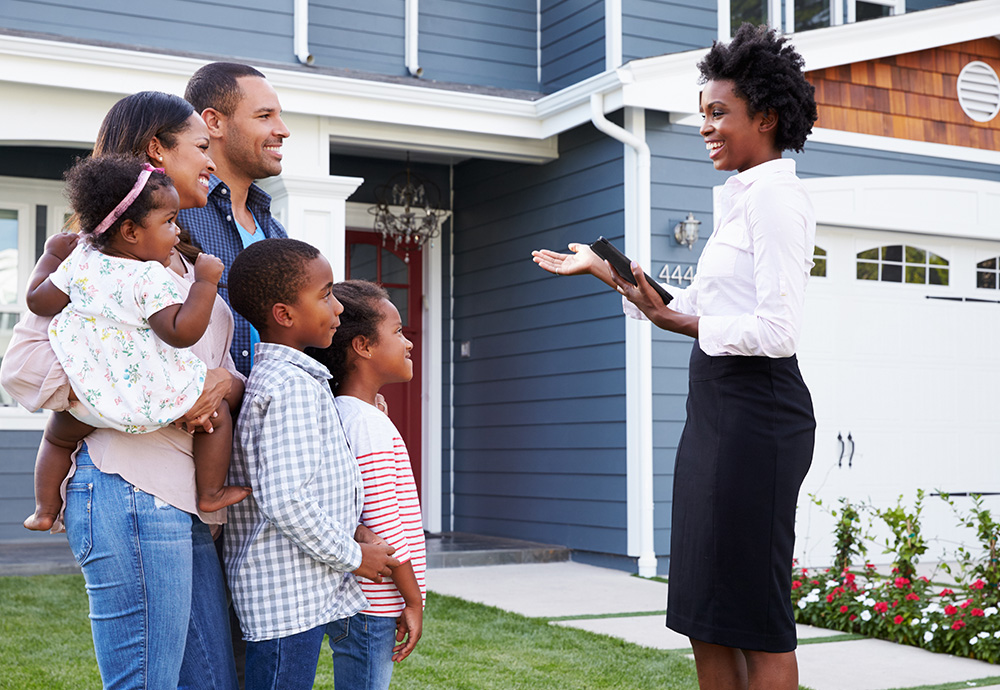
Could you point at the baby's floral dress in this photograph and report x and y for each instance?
(123, 374)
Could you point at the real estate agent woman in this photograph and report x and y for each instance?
(748, 440)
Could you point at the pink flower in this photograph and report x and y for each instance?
(912, 597)
(978, 612)
(849, 578)
(965, 604)
(796, 584)
(829, 598)
(946, 592)
(897, 620)
(843, 609)
(950, 610)
(978, 584)
(958, 625)
(814, 582)
(902, 582)
(881, 607)
(852, 616)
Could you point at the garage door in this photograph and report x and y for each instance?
(901, 350)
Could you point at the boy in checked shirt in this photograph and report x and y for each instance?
(291, 546)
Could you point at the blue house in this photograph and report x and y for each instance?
(538, 411)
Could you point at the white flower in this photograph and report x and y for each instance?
(802, 603)
(934, 626)
(983, 635)
(974, 640)
(915, 621)
(861, 597)
(925, 620)
(989, 610)
(933, 607)
(866, 616)
(869, 602)
(928, 636)
(832, 583)
(997, 634)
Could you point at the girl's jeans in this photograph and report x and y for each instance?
(157, 601)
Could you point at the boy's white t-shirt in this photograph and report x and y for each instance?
(392, 508)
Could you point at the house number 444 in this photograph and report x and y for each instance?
(678, 275)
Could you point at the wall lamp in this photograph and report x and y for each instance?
(686, 232)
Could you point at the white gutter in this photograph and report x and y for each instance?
(638, 339)
(300, 30)
(412, 30)
(612, 34)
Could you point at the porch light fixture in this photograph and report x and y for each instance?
(686, 232)
(407, 210)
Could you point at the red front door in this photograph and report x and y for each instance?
(368, 259)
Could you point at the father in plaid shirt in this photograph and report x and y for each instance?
(244, 121)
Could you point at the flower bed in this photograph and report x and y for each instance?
(962, 621)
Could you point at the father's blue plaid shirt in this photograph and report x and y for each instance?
(213, 228)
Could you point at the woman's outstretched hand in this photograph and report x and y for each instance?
(581, 262)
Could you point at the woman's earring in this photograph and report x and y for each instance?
(159, 158)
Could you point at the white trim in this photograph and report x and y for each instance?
(432, 348)
(19, 419)
(916, 204)
(724, 21)
(411, 20)
(880, 143)
(613, 55)
(638, 338)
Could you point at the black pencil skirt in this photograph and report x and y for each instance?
(745, 449)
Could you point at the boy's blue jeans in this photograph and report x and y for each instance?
(158, 610)
(362, 656)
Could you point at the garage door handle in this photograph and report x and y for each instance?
(850, 458)
(840, 459)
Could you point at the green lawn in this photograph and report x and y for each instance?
(45, 644)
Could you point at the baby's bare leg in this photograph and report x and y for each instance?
(211, 464)
(62, 434)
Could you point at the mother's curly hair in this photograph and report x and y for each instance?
(767, 74)
(362, 316)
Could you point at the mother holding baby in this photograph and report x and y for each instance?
(158, 606)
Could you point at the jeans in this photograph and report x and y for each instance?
(362, 656)
(157, 603)
(362, 651)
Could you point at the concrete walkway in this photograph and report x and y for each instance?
(588, 595)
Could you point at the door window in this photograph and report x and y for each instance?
(902, 263)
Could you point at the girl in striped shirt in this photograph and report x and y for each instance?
(369, 351)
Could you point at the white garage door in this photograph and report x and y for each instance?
(901, 350)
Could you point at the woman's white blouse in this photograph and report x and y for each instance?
(751, 279)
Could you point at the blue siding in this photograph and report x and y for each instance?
(17, 496)
(572, 41)
(539, 433)
(489, 42)
(239, 29)
(368, 36)
(652, 27)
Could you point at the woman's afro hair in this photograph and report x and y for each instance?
(362, 316)
(767, 73)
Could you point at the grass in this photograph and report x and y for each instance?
(45, 644)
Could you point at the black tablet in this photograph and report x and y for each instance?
(623, 266)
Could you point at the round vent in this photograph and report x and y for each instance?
(979, 91)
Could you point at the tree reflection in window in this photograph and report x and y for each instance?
(899, 263)
(819, 262)
(986, 273)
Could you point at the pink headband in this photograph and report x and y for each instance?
(123, 205)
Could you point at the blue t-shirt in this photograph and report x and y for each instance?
(247, 239)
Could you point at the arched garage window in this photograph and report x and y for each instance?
(901, 263)
(986, 273)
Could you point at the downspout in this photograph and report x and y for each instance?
(612, 34)
(300, 19)
(412, 22)
(638, 348)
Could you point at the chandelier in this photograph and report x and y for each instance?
(407, 210)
